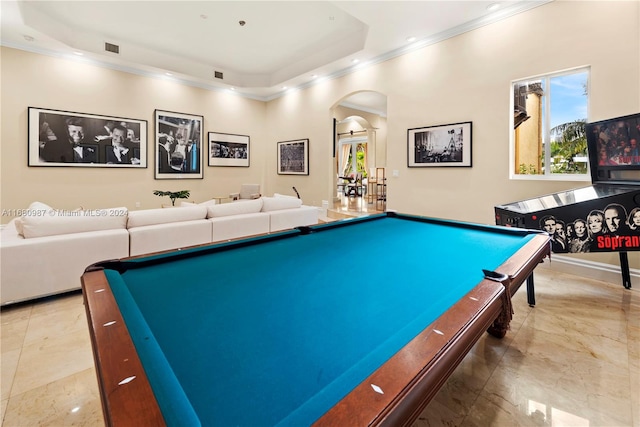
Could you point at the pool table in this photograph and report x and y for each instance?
(357, 322)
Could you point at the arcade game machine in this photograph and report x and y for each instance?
(603, 217)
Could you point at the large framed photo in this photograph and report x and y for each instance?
(179, 142)
(65, 138)
(442, 146)
(226, 149)
(293, 157)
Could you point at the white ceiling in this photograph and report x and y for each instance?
(282, 43)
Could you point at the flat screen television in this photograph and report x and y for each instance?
(614, 149)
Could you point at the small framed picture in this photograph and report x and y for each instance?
(293, 157)
(64, 138)
(439, 146)
(179, 142)
(226, 149)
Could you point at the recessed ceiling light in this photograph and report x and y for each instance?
(78, 53)
(203, 16)
(284, 87)
(28, 38)
(232, 88)
(313, 76)
(411, 39)
(168, 74)
(493, 6)
(355, 60)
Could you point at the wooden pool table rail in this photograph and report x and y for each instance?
(125, 392)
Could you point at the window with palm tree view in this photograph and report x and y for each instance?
(549, 117)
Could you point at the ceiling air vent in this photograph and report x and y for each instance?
(112, 47)
(218, 74)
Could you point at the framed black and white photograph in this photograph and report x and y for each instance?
(293, 157)
(439, 146)
(179, 142)
(227, 149)
(65, 138)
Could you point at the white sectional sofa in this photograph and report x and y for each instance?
(46, 251)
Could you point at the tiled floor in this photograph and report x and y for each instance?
(573, 360)
(357, 206)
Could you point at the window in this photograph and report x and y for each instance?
(549, 117)
(349, 147)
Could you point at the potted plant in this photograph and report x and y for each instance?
(173, 195)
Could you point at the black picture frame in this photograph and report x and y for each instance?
(293, 157)
(227, 149)
(72, 139)
(440, 146)
(179, 143)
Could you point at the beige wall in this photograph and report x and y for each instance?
(31, 80)
(466, 78)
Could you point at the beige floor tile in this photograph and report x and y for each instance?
(70, 401)
(600, 399)
(10, 314)
(46, 361)
(485, 412)
(634, 368)
(12, 334)
(55, 304)
(465, 384)
(8, 366)
(544, 333)
(46, 325)
(491, 349)
(3, 409)
(439, 415)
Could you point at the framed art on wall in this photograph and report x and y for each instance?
(179, 142)
(227, 149)
(293, 157)
(65, 138)
(439, 146)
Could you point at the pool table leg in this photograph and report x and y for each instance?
(500, 326)
(531, 294)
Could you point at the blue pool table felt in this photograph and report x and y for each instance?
(277, 333)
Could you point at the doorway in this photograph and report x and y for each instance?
(360, 151)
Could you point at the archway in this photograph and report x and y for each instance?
(360, 141)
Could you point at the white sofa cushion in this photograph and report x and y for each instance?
(17, 223)
(284, 195)
(236, 208)
(165, 215)
(173, 235)
(236, 226)
(279, 203)
(284, 219)
(58, 222)
(208, 203)
(40, 205)
(34, 209)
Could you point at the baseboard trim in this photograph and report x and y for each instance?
(591, 269)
